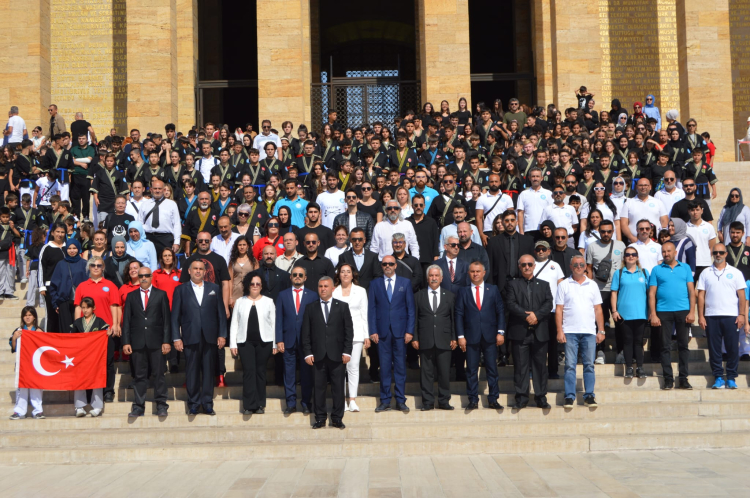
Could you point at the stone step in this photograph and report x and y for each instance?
(60, 416)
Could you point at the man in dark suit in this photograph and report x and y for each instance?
(504, 250)
(480, 326)
(290, 308)
(453, 281)
(148, 346)
(391, 317)
(529, 304)
(365, 261)
(199, 326)
(434, 338)
(327, 336)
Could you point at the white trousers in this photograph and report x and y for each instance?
(97, 398)
(32, 291)
(352, 368)
(23, 396)
(7, 277)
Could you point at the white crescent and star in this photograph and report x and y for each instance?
(37, 361)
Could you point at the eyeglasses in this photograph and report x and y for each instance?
(147, 275)
(561, 237)
(718, 253)
(644, 229)
(298, 274)
(599, 189)
(393, 208)
(578, 265)
(399, 242)
(357, 239)
(97, 265)
(605, 231)
(558, 192)
(266, 127)
(691, 125)
(351, 198)
(273, 225)
(244, 215)
(686, 185)
(387, 264)
(206, 241)
(670, 180)
(366, 189)
(452, 244)
(310, 242)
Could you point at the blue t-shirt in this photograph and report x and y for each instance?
(428, 193)
(671, 283)
(632, 293)
(298, 208)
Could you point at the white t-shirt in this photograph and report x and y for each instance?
(18, 125)
(669, 199)
(486, 201)
(532, 203)
(606, 213)
(331, 205)
(721, 288)
(578, 301)
(46, 190)
(551, 274)
(261, 140)
(562, 216)
(649, 255)
(701, 235)
(635, 210)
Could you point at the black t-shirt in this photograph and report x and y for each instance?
(117, 224)
(4, 187)
(680, 210)
(216, 268)
(463, 119)
(325, 236)
(78, 128)
(32, 254)
(372, 210)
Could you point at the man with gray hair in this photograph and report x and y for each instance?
(435, 338)
(16, 129)
(406, 266)
(382, 235)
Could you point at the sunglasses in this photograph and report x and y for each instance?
(298, 274)
(452, 244)
(605, 231)
(255, 284)
(393, 208)
(670, 180)
(578, 265)
(366, 189)
(387, 264)
(448, 181)
(618, 183)
(97, 265)
(686, 185)
(266, 127)
(310, 242)
(351, 198)
(273, 225)
(525, 265)
(718, 253)
(631, 254)
(561, 237)
(147, 275)
(734, 196)
(558, 192)
(599, 189)
(570, 183)
(540, 249)
(204, 240)
(244, 215)
(357, 239)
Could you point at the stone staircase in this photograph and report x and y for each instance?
(633, 414)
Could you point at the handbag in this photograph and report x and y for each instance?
(605, 266)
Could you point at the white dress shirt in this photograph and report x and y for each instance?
(433, 294)
(669, 198)
(169, 218)
(224, 247)
(198, 289)
(204, 165)
(134, 208)
(145, 292)
(382, 238)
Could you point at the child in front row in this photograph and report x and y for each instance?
(89, 322)
(24, 394)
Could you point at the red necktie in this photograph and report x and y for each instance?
(453, 272)
(145, 302)
(479, 303)
(296, 298)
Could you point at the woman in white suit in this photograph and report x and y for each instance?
(355, 296)
(251, 336)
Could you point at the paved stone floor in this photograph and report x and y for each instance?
(649, 474)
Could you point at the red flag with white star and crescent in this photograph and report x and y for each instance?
(62, 362)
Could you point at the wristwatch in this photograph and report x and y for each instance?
(600, 332)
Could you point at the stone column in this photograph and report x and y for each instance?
(545, 51)
(152, 64)
(444, 61)
(187, 63)
(284, 75)
(730, 28)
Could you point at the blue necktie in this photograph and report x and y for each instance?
(389, 290)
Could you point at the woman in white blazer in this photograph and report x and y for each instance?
(355, 296)
(252, 337)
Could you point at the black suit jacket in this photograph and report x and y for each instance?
(499, 259)
(521, 297)
(331, 339)
(370, 270)
(434, 329)
(149, 328)
(278, 280)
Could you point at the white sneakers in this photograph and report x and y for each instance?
(353, 406)
(80, 412)
(96, 412)
(599, 358)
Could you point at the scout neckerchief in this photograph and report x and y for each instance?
(735, 257)
(270, 166)
(328, 148)
(88, 324)
(203, 218)
(287, 155)
(111, 179)
(223, 171)
(305, 166)
(254, 174)
(344, 181)
(176, 175)
(402, 160)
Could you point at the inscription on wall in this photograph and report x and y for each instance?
(89, 61)
(739, 31)
(639, 52)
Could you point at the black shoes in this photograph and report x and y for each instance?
(472, 406)
(569, 403)
(305, 410)
(543, 404)
(521, 406)
(109, 397)
(684, 384)
(337, 425)
(413, 364)
(174, 369)
(135, 414)
(629, 373)
(668, 384)
(382, 407)
(402, 407)
(319, 424)
(502, 361)
(247, 412)
(640, 373)
(445, 407)
(426, 408)
(193, 411)
(495, 406)
(290, 409)
(210, 411)
(259, 411)
(161, 412)
(589, 401)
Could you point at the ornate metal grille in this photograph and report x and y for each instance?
(364, 100)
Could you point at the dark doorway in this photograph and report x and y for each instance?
(227, 63)
(501, 56)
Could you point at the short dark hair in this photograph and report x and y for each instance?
(736, 225)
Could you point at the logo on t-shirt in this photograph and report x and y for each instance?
(705, 231)
(567, 215)
(730, 276)
(298, 206)
(176, 278)
(653, 250)
(641, 279)
(651, 204)
(105, 289)
(617, 252)
(543, 197)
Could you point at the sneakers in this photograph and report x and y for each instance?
(668, 384)
(731, 384)
(684, 384)
(24, 280)
(16, 416)
(640, 373)
(620, 360)
(80, 412)
(39, 416)
(719, 384)
(599, 358)
(629, 373)
(589, 401)
(95, 412)
(353, 406)
(569, 403)
(11, 297)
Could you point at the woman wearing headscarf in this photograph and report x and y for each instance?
(140, 248)
(68, 274)
(285, 220)
(614, 113)
(733, 210)
(651, 111)
(684, 245)
(117, 261)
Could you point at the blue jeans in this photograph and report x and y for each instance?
(587, 345)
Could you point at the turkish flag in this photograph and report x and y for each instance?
(62, 362)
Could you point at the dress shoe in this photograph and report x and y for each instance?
(220, 381)
(338, 425)
(193, 411)
(247, 412)
(426, 408)
(502, 361)
(445, 407)
(109, 397)
(521, 406)
(472, 406)
(495, 406)
(382, 407)
(161, 412)
(290, 409)
(668, 384)
(319, 424)
(684, 384)
(134, 414)
(374, 377)
(305, 410)
(402, 407)
(543, 404)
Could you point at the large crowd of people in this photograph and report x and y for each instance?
(449, 239)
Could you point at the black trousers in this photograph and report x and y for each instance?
(674, 320)
(606, 311)
(254, 357)
(325, 371)
(65, 316)
(530, 352)
(161, 240)
(199, 374)
(110, 366)
(553, 365)
(53, 320)
(435, 362)
(459, 359)
(144, 360)
(79, 195)
(632, 335)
